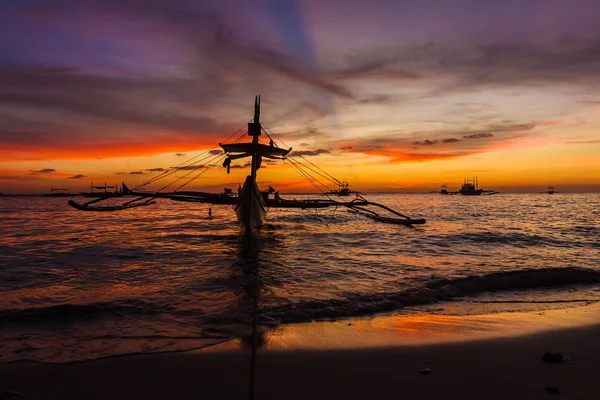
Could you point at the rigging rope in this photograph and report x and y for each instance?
(310, 178)
(177, 168)
(310, 162)
(200, 173)
(211, 159)
(317, 172)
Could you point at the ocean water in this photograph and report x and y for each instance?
(82, 285)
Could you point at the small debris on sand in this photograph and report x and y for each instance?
(550, 357)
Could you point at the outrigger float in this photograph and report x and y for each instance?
(250, 203)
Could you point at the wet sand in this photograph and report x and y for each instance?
(476, 367)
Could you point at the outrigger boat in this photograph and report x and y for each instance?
(250, 203)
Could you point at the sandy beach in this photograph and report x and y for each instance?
(474, 357)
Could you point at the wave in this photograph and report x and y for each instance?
(75, 312)
(432, 292)
(351, 305)
(514, 239)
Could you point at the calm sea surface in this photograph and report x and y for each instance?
(79, 285)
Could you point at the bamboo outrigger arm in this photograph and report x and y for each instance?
(357, 206)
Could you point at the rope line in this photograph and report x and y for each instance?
(177, 168)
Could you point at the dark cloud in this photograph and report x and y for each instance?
(156, 170)
(120, 100)
(402, 149)
(42, 171)
(311, 152)
(346, 148)
(582, 141)
(450, 140)
(379, 99)
(569, 59)
(130, 173)
(180, 154)
(425, 142)
(188, 167)
(238, 166)
(78, 176)
(215, 152)
(478, 136)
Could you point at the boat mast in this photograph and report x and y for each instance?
(254, 129)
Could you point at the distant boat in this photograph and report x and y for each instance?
(60, 192)
(445, 190)
(105, 190)
(343, 191)
(470, 187)
(550, 190)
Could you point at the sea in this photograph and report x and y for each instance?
(84, 285)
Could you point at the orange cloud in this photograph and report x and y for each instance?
(87, 151)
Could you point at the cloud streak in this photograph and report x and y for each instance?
(42, 171)
(310, 153)
(401, 149)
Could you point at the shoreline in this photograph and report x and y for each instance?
(480, 356)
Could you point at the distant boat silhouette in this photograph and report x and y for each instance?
(104, 190)
(470, 187)
(445, 190)
(60, 192)
(550, 190)
(344, 190)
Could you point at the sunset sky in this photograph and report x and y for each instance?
(391, 95)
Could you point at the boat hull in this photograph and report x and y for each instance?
(471, 192)
(251, 208)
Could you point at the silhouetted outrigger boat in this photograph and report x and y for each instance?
(250, 203)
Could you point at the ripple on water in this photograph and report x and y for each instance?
(146, 277)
